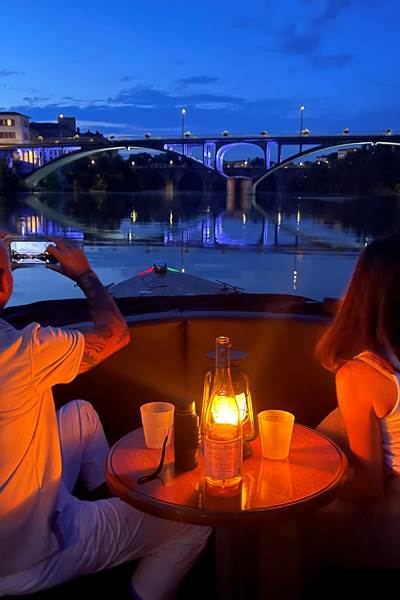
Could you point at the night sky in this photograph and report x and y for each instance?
(129, 66)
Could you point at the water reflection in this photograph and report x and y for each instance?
(281, 243)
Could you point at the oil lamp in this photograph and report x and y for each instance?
(242, 391)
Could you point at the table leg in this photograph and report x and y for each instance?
(278, 561)
(236, 557)
(258, 562)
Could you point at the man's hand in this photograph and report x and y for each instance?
(6, 236)
(72, 260)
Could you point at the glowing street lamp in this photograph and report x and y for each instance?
(301, 123)
(183, 113)
(60, 120)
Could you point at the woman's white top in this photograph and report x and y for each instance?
(390, 425)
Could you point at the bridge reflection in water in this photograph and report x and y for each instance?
(285, 244)
(249, 227)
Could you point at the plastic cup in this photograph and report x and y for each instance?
(157, 421)
(276, 428)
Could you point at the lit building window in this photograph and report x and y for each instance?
(7, 122)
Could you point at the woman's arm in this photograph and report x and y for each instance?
(364, 396)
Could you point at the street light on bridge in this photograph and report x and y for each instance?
(60, 120)
(301, 123)
(183, 113)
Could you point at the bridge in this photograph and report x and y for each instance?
(208, 151)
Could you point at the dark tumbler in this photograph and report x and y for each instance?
(186, 437)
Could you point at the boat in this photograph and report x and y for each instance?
(173, 328)
(162, 280)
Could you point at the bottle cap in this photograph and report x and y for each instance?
(185, 408)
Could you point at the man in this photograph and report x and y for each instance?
(47, 536)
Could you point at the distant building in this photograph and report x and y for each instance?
(64, 127)
(89, 134)
(14, 128)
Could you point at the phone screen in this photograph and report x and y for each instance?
(30, 252)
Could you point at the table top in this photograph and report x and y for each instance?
(308, 478)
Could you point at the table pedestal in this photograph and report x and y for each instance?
(258, 562)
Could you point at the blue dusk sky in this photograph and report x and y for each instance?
(130, 66)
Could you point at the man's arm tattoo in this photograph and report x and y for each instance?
(98, 297)
(110, 332)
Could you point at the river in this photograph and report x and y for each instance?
(286, 244)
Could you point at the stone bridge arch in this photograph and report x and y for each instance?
(34, 179)
(37, 176)
(222, 149)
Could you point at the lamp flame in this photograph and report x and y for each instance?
(224, 410)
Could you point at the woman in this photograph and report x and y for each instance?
(362, 347)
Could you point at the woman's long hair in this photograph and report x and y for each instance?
(369, 315)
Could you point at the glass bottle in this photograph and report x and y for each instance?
(223, 436)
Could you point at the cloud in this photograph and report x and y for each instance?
(206, 113)
(72, 99)
(34, 100)
(129, 112)
(185, 82)
(303, 31)
(8, 72)
(129, 78)
(330, 11)
(142, 96)
(307, 43)
(150, 98)
(106, 124)
(331, 61)
(214, 105)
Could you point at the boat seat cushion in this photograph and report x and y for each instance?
(151, 368)
(166, 361)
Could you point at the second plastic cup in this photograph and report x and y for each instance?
(157, 421)
(276, 428)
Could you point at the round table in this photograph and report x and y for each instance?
(273, 494)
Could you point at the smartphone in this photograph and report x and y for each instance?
(31, 252)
